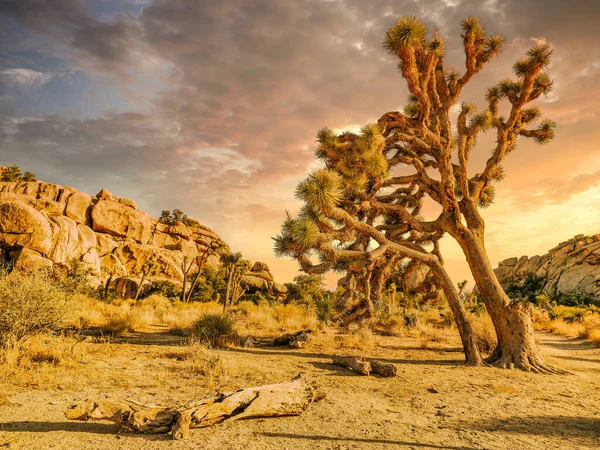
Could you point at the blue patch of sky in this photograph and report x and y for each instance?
(106, 8)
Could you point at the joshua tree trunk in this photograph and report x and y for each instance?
(183, 287)
(107, 286)
(370, 309)
(140, 286)
(228, 289)
(467, 337)
(516, 346)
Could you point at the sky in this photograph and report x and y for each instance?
(213, 107)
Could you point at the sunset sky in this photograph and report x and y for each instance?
(213, 106)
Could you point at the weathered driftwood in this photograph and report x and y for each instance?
(293, 340)
(360, 365)
(356, 363)
(284, 399)
(383, 369)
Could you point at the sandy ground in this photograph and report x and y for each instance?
(434, 403)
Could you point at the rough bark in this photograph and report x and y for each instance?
(383, 369)
(228, 288)
(275, 400)
(516, 346)
(467, 337)
(293, 340)
(357, 363)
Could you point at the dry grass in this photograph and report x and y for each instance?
(560, 323)
(429, 335)
(485, 335)
(40, 349)
(5, 399)
(201, 361)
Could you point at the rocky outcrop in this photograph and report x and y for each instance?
(572, 267)
(259, 278)
(44, 225)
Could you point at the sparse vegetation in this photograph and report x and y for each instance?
(215, 330)
(14, 174)
(30, 305)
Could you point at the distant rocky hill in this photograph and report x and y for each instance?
(48, 225)
(572, 267)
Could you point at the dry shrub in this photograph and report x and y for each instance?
(30, 305)
(429, 335)
(40, 349)
(201, 361)
(216, 330)
(361, 339)
(485, 335)
(391, 326)
(594, 336)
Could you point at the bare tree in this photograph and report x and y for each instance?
(149, 268)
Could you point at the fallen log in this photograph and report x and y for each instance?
(356, 363)
(383, 369)
(293, 340)
(360, 365)
(274, 400)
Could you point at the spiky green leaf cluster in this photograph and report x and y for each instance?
(482, 121)
(545, 132)
(321, 190)
(407, 32)
(531, 114)
(488, 194)
(542, 81)
(494, 44)
(471, 25)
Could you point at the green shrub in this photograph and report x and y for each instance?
(30, 305)
(215, 330)
(165, 288)
(325, 307)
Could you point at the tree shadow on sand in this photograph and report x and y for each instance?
(363, 440)
(30, 426)
(560, 426)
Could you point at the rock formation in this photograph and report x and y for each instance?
(572, 267)
(44, 225)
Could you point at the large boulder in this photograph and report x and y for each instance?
(29, 261)
(133, 256)
(119, 220)
(22, 226)
(78, 207)
(127, 287)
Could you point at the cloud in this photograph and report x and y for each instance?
(113, 46)
(24, 78)
(246, 84)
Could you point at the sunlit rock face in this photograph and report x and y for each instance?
(572, 267)
(44, 225)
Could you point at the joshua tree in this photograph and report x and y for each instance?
(212, 248)
(149, 268)
(338, 224)
(422, 138)
(235, 269)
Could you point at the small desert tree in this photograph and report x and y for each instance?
(235, 269)
(211, 249)
(149, 268)
(13, 173)
(422, 138)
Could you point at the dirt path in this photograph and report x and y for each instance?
(434, 403)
